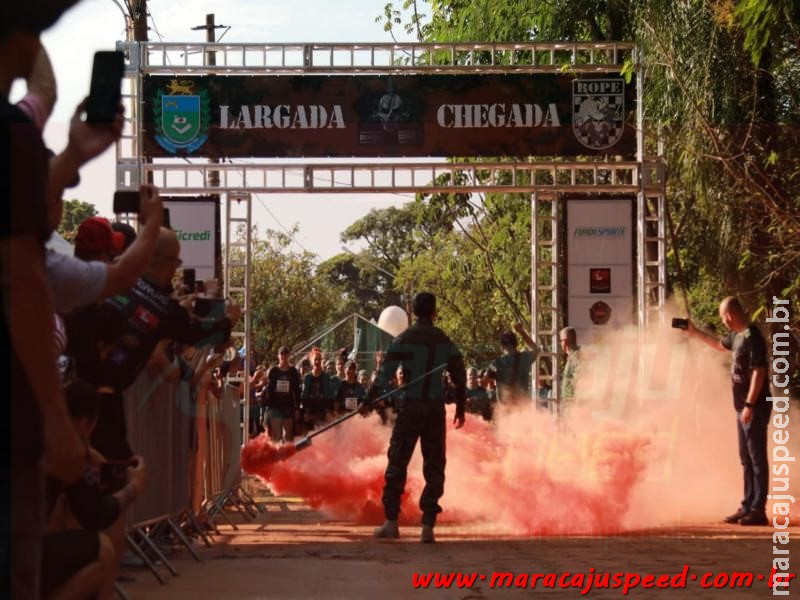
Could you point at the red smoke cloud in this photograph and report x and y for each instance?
(649, 446)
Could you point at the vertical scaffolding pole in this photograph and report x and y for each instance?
(238, 213)
(545, 281)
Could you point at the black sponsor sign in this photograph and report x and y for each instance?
(374, 116)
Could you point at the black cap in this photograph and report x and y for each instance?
(508, 338)
(283, 350)
(424, 304)
(128, 232)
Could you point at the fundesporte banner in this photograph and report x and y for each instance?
(599, 265)
(375, 116)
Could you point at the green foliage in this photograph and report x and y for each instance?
(363, 289)
(75, 212)
(291, 301)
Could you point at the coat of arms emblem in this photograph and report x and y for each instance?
(598, 111)
(181, 117)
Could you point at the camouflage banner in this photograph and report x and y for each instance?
(380, 116)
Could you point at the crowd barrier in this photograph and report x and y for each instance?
(190, 442)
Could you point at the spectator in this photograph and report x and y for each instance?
(91, 276)
(568, 338)
(258, 389)
(39, 423)
(283, 398)
(378, 363)
(512, 370)
(478, 402)
(76, 562)
(490, 385)
(149, 315)
(128, 233)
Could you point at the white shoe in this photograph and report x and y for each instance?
(388, 530)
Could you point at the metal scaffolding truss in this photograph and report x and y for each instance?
(377, 58)
(544, 181)
(263, 177)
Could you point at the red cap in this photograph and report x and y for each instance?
(95, 235)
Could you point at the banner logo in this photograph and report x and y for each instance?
(598, 111)
(600, 232)
(181, 117)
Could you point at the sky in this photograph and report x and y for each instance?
(97, 24)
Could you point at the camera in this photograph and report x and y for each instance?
(209, 307)
(678, 323)
(189, 280)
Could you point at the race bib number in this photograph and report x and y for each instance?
(351, 403)
(282, 386)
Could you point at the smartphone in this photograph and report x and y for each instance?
(680, 323)
(126, 201)
(114, 475)
(106, 87)
(209, 307)
(165, 220)
(189, 279)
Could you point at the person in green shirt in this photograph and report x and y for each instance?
(478, 401)
(569, 345)
(512, 370)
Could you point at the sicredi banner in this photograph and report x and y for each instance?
(599, 265)
(374, 116)
(195, 222)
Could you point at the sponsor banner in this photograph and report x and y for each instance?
(375, 116)
(599, 266)
(195, 222)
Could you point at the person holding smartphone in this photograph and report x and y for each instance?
(750, 390)
(42, 437)
(95, 273)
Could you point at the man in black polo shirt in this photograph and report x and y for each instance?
(750, 391)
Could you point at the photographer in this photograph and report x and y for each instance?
(150, 315)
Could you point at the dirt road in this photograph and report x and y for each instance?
(290, 552)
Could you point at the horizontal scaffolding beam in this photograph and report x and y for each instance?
(378, 58)
(574, 177)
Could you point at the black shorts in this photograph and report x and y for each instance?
(64, 553)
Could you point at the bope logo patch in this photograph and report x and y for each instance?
(181, 117)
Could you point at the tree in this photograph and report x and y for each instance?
(722, 94)
(75, 212)
(363, 288)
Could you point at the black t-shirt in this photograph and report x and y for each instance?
(479, 403)
(317, 393)
(350, 395)
(283, 389)
(23, 196)
(748, 351)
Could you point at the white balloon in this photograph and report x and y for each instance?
(393, 320)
